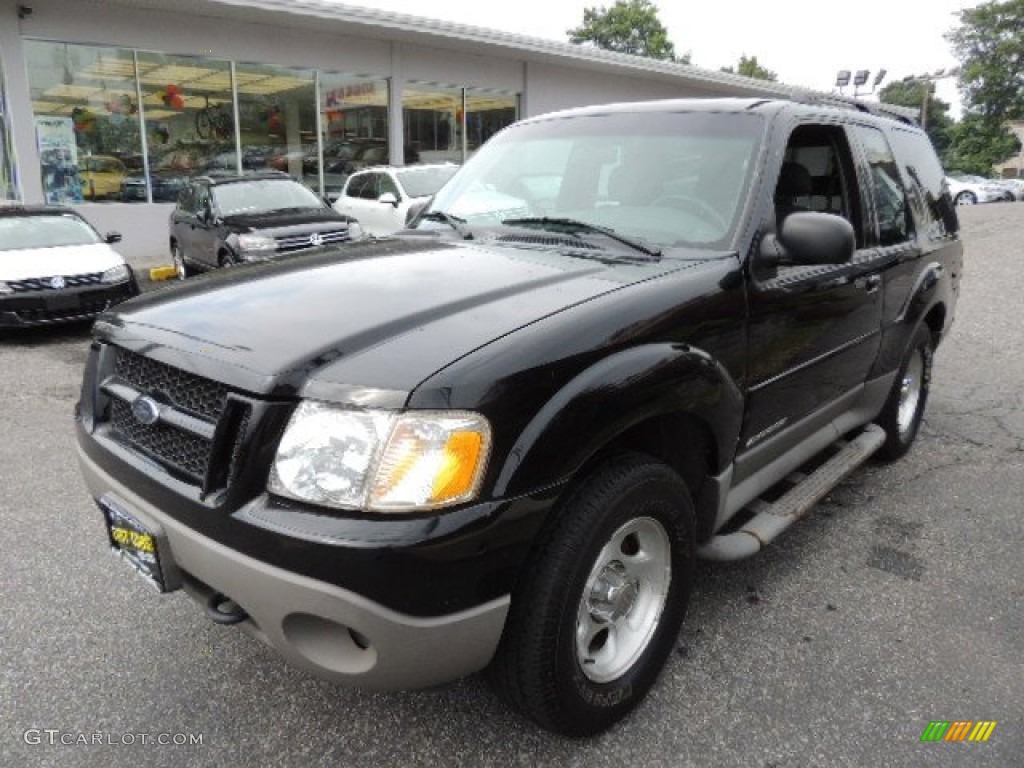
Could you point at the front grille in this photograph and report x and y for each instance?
(185, 391)
(85, 311)
(292, 243)
(44, 283)
(197, 434)
(184, 451)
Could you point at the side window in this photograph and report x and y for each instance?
(186, 200)
(890, 198)
(355, 185)
(818, 175)
(387, 184)
(925, 180)
(369, 189)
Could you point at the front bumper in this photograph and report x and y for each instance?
(325, 629)
(34, 308)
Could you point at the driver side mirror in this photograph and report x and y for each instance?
(112, 237)
(806, 238)
(388, 198)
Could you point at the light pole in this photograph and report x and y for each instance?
(929, 87)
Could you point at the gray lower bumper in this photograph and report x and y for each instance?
(311, 623)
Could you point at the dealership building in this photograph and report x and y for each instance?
(111, 105)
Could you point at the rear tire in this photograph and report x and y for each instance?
(600, 603)
(901, 417)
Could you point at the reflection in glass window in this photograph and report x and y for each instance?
(486, 114)
(433, 121)
(277, 119)
(87, 119)
(7, 188)
(354, 121)
(190, 127)
(890, 198)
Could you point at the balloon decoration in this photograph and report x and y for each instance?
(84, 120)
(171, 97)
(273, 116)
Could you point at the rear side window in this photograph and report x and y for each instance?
(891, 209)
(186, 200)
(930, 201)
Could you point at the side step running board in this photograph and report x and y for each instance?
(772, 519)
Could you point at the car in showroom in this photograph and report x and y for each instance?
(382, 199)
(227, 220)
(101, 177)
(972, 190)
(56, 268)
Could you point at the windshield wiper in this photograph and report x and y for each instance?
(575, 226)
(455, 222)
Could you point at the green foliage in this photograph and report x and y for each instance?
(990, 45)
(977, 144)
(749, 67)
(910, 93)
(629, 26)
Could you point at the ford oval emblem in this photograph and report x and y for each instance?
(57, 283)
(315, 239)
(145, 410)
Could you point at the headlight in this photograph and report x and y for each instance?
(256, 243)
(381, 460)
(5, 288)
(116, 274)
(355, 231)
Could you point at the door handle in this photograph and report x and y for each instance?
(872, 283)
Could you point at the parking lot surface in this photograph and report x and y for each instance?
(897, 602)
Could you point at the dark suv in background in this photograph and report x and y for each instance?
(223, 221)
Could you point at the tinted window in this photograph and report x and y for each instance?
(186, 200)
(890, 198)
(18, 232)
(368, 191)
(387, 184)
(925, 183)
(355, 185)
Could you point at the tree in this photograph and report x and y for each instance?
(977, 144)
(629, 26)
(990, 45)
(911, 93)
(749, 67)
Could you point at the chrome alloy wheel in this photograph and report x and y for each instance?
(910, 392)
(623, 599)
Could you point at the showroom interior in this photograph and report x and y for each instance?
(110, 106)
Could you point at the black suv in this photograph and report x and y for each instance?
(504, 439)
(222, 221)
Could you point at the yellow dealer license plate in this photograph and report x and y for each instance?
(133, 543)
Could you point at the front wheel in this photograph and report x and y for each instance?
(600, 604)
(966, 198)
(901, 417)
(181, 269)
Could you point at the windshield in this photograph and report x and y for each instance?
(19, 232)
(672, 179)
(424, 182)
(263, 196)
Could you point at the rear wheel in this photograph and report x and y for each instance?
(904, 410)
(600, 604)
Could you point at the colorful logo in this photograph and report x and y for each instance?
(958, 730)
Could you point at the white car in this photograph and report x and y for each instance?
(967, 191)
(380, 198)
(55, 268)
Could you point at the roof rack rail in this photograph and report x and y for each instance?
(879, 109)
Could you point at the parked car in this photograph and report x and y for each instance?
(967, 190)
(223, 221)
(1014, 186)
(381, 199)
(503, 439)
(55, 268)
(166, 184)
(101, 177)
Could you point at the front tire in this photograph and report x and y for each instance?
(181, 269)
(600, 604)
(904, 410)
(966, 198)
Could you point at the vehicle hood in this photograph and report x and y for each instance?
(65, 260)
(285, 222)
(365, 323)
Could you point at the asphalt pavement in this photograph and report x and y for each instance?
(897, 602)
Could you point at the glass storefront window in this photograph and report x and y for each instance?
(8, 190)
(190, 124)
(354, 122)
(487, 113)
(87, 120)
(433, 123)
(277, 120)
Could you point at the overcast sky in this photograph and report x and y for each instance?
(805, 41)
